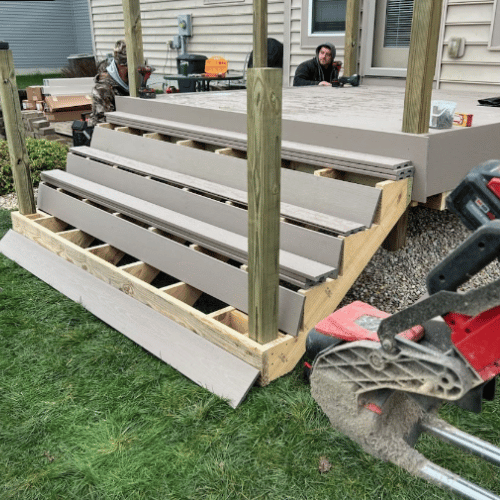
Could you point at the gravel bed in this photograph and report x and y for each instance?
(394, 280)
(9, 201)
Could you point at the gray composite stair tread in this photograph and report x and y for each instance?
(295, 239)
(329, 196)
(321, 220)
(195, 357)
(218, 279)
(207, 235)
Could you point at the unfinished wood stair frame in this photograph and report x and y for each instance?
(226, 328)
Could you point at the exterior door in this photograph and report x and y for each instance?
(391, 41)
(389, 30)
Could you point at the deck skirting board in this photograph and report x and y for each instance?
(328, 196)
(223, 281)
(295, 239)
(195, 357)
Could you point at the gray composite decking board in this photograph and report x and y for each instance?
(289, 150)
(235, 122)
(328, 196)
(220, 280)
(195, 357)
(207, 235)
(304, 242)
(291, 212)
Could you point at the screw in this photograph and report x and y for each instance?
(387, 344)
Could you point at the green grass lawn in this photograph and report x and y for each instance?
(87, 414)
(24, 81)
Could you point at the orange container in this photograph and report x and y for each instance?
(216, 66)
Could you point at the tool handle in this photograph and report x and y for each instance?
(475, 253)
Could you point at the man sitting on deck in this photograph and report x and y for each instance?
(319, 70)
(111, 80)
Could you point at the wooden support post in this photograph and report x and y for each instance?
(396, 239)
(133, 39)
(260, 33)
(264, 170)
(14, 130)
(351, 37)
(421, 65)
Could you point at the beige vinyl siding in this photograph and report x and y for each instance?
(222, 29)
(479, 68)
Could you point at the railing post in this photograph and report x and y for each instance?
(264, 97)
(133, 39)
(421, 65)
(14, 130)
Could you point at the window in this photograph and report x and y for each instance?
(328, 16)
(322, 21)
(398, 23)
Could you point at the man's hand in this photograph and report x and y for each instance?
(325, 84)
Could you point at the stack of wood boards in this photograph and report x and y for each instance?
(167, 225)
(228, 129)
(68, 86)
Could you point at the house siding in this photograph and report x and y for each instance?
(222, 29)
(42, 35)
(479, 67)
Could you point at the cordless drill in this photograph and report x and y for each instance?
(144, 91)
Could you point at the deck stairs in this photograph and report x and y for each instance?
(148, 230)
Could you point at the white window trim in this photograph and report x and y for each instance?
(495, 27)
(310, 40)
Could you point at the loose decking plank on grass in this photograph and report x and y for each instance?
(347, 201)
(196, 358)
(304, 242)
(218, 279)
(334, 224)
(214, 238)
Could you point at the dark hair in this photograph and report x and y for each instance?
(274, 54)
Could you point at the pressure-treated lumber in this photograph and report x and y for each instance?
(313, 245)
(227, 328)
(273, 360)
(358, 250)
(221, 280)
(264, 186)
(293, 268)
(259, 33)
(133, 39)
(421, 65)
(196, 358)
(351, 37)
(14, 130)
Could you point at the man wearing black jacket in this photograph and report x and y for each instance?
(319, 70)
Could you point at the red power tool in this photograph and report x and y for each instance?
(383, 394)
(144, 91)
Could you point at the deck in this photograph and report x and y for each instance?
(368, 120)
